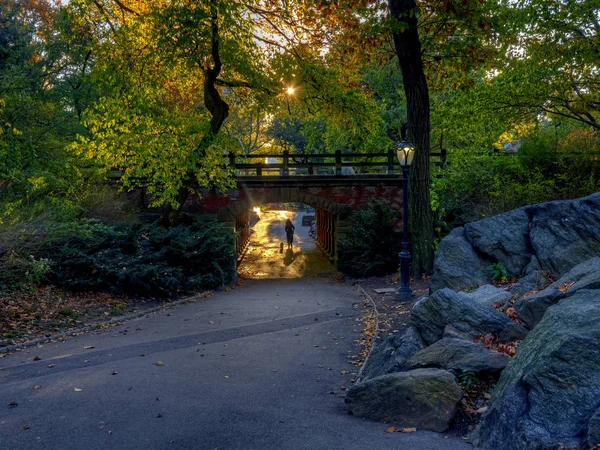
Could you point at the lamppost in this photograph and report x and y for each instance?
(405, 153)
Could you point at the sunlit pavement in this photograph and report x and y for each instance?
(265, 260)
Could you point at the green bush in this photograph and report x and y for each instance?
(368, 249)
(145, 259)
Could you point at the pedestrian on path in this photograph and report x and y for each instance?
(289, 232)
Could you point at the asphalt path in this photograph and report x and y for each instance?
(264, 366)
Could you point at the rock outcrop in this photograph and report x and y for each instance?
(422, 398)
(487, 295)
(552, 237)
(391, 354)
(445, 307)
(549, 393)
(586, 275)
(459, 355)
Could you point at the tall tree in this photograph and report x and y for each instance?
(408, 48)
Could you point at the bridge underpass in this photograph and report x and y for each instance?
(333, 199)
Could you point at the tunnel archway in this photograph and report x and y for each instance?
(331, 225)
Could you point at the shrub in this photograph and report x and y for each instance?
(368, 249)
(145, 259)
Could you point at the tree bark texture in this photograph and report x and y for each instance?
(408, 49)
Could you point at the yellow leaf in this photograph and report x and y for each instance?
(159, 363)
(78, 390)
(408, 430)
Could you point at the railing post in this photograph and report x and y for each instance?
(338, 162)
(232, 160)
(286, 161)
(390, 162)
(443, 156)
(259, 171)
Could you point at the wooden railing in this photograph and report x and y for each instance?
(323, 164)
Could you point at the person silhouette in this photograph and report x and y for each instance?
(289, 232)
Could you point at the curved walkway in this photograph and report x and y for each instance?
(262, 367)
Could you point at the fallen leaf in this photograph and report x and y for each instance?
(35, 388)
(159, 363)
(345, 372)
(115, 372)
(87, 347)
(36, 358)
(390, 429)
(78, 390)
(158, 399)
(482, 410)
(50, 366)
(13, 404)
(408, 430)
(226, 376)
(26, 427)
(211, 322)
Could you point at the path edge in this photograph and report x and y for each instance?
(375, 336)
(114, 321)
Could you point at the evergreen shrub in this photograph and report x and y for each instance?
(368, 249)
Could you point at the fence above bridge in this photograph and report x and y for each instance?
(287, 164)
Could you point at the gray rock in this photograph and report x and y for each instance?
(503, 238)
(531, 309)
(566, 233)
(550, 390)
(391, 354)
(552, 237)
(593, 434)
(586, 275)
(535, 281)
(591, 281)
(457, 265)
(533, 265)
(451, 332)
(458, 354)
(446, 307)
(422, 398)
(488, 294)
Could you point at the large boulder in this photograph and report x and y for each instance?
(550, 391)
(446, 307)
(457, 265)
(586, 275)
(459, 355)
(534, 281)
(487, 294)
(593, 434)
(503, 238)
(391, 354)
(552, 237)
(422, 398)
(566, 233)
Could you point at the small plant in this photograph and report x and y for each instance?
(468, 378)
(497, 272)
(39, 269)
(66, 312)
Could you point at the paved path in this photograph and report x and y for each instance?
(259, 367)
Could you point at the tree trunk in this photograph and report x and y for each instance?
(408, 49)
(219, 110)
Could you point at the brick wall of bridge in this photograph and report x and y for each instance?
(338, 200)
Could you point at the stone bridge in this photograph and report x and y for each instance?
(333, 198)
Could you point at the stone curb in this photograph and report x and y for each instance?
(12, 348)
(375, 336)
